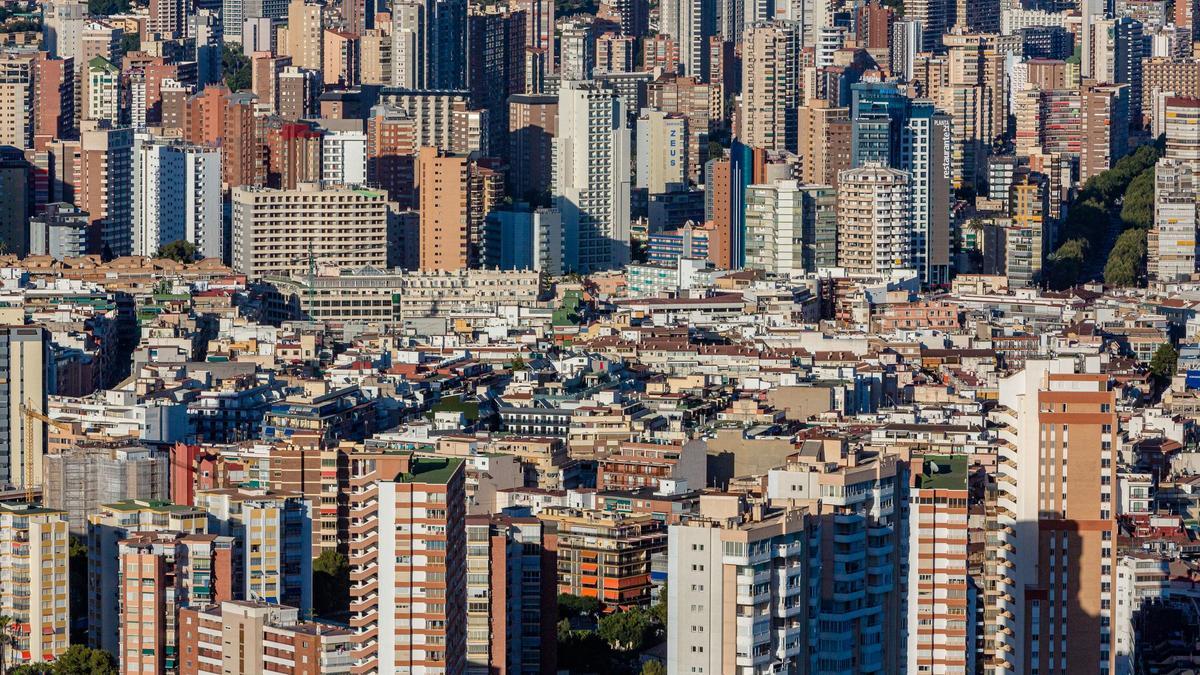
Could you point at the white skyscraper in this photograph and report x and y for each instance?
(429, 44)
(177, 195)
(874, 220)
(690, 23)
(62, 27)
(1171, 242)
(592, 177)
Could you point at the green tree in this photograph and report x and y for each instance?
(33, 669)
(80, 660)
(1125, 261)
(180, 250)
(1162, 364)
(576, 605)
(107, 7)
(658, 611)
(236, 67)
(6, 641)
(1137, 206)
(627, 631)
(331, 584)
(654, 667)
(130, 42)
(1087, 219)
(1065, 265)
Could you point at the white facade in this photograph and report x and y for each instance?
(592, 177)
(408, 21)
(874, 220)
(662, 144)
(344, 157)
(712, 567)
(103, 92)
(177, 195)
(62, 27)
(689, 23)
(774, 222)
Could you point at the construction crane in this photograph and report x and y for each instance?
(32, 416)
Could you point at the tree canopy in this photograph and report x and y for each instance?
(1137, 207)
(1125, 262)
(180, 250)
(331, 584)
(1162, 364)
(236, 67)
(627, 631)
(77, 660)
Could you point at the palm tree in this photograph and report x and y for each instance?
(6, 641)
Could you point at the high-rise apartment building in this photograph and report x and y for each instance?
(107, 528)
(17, 99)
(605, 555)
(62, 27)
(177, 196)
(1105, 126)
(408, 535)
(455, 195)
(1058, 528)
(81, 478)
(662, 151)
(305, 34)
(941, 622)
(104, 186)
(54, 99)
(935, 18)
(791, 228)
(340, 59)
(577, 52)
(874, 220)
(293, 154)
(823, 142)
(34, 548)
(276, 231)
(299, 90)
(592, 177)
(1171, 242)
(17, 184)
(26, 368)
(532, 125)
(272, 542)
(442, 186)
(1165, 76)
(102, 92)
(690, 23)
(512, 592)
(441, 119)
(160, 574)
(738, 589)
(429, 44)
(168, 18)
(857, 547)
(59, 232)
(1027, 237)
(698, 102)
(495, 66)
(236, 15)
(770, 86)
(1118, 47)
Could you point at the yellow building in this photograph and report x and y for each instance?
(34, 546)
